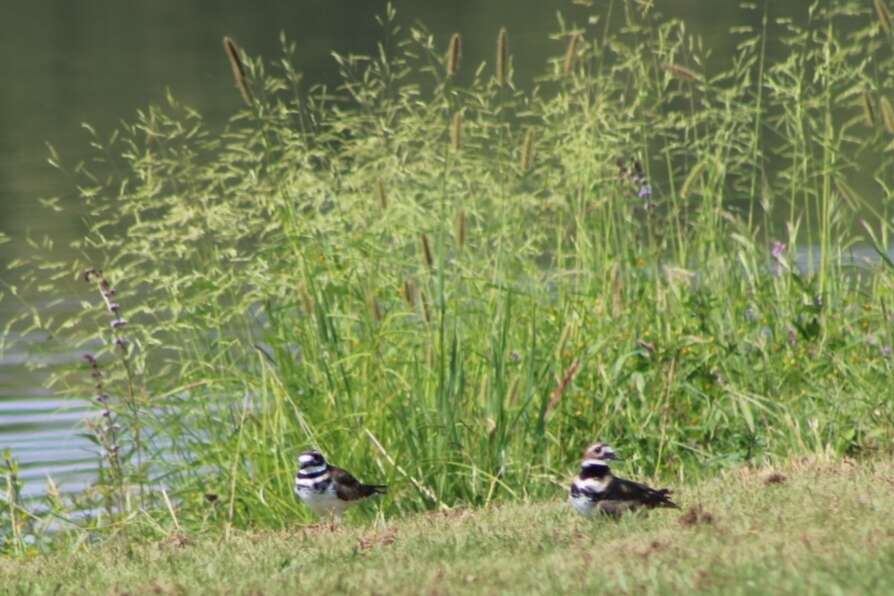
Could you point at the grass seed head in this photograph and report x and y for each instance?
(502, 57)
(887, 114)
(426, 307)
(410, 293)
(238, 69)
(461, 229)
(454, 54)
(681, 72)
(527, 153)
(380, 194)
(375, 309)
(426, 252)
(456, 132)
(868, 108)
(563, 385)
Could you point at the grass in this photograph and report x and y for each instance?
(814, 527)
(450, 284)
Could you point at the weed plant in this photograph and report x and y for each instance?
(451, 284)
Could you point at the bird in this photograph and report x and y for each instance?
(328, 490)
(596, 491)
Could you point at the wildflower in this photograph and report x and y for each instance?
(751, 314)
(516, 357)
(886, 350)
(114, 307)
(637, 175)
(792, 337)
(118, 323)
(639, 178)
(778, 250)
(122, 343)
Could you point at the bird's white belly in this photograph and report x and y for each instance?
(583, 505)
(323, 503)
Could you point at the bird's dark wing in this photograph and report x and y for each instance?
(628, 490)
(349, 488)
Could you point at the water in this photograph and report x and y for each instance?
(99, 61)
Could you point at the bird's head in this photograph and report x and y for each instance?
(311, 459)
(600, 451)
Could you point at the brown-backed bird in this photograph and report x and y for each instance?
(596, 490)
(328, 490)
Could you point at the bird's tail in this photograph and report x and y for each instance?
(375, 489)
(664, 498)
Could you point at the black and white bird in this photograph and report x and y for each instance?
(328, 490)
(596, 490)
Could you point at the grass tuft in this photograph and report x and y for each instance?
(692, 264)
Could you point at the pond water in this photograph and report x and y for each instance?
(98, 62)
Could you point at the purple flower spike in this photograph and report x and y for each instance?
(118, 323)
(778, 249)
(122, 343)
(114, 307)
(645, 191)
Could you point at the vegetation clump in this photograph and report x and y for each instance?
(460, 282)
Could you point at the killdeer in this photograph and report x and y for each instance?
(596, 490)
(328, 490)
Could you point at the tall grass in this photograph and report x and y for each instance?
(450, 283)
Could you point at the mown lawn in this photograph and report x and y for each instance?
(820, 528)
